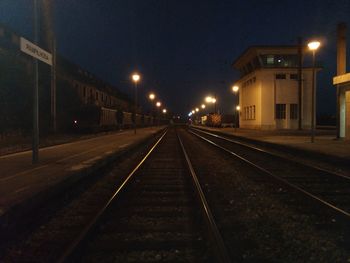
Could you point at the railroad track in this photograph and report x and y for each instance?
(331, 190)
(159, 213)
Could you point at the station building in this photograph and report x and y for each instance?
(268, 89)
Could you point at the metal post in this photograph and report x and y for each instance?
(135, 107)
(313, 94)
(35, 139)
(53, 87)
(300, 68)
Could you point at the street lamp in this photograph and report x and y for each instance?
(158, 104)
(164, 111)
(152, 96)
(235, 90)
(238, 108)
(313, 46)
(203, 106)
(135, 78)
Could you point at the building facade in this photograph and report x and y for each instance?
(269, 90)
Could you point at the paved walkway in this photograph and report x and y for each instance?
(324, 143)
(20, 180)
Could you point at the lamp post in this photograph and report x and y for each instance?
(235, 90)
(152, 96)
(158, 104)
(313, 46)
(238, 108)
(135, 78)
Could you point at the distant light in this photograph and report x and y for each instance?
(158, 104)
(235, 88)
(75, 121)
(197, 109)
(136, 77)
(208, 99)
(314, 45)
(238, 108)
(164, 110)
(279, 61)
(193, 112)
(190, 114)
(203, 106)
(152, 96)
(213, 100)
(178, 117)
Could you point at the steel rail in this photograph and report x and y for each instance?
(272, 154)
(74, 245)
(219, 245)
(291, 185)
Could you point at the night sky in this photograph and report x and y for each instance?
(183, 48)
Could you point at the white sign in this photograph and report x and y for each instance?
(35, 51)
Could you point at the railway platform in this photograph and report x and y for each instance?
(22, 183)
(325, 144)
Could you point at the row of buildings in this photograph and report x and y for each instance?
(76, 88)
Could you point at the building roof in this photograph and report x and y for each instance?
(252, 51)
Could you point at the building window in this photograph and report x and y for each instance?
(280, 111)
(293, 114)
(270, 59)
(280, 76)
(294, 76)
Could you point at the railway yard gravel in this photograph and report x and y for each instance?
(260, 221)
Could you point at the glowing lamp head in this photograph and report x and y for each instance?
(197, 109)
(193, 112)
(164, 111)
(208, 99)
(213, 100)
(314, 45)
(158, 104)
(152, 96)
(235, 89)
(238, 108)
(75, 121)
(203, 106)
(136, 77)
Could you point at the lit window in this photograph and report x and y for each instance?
(270, 59)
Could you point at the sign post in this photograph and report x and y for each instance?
(38, 54)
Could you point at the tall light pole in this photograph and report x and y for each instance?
(235, 90)
(158, 104)
(313, 46)
(135, 78)
(152, 96)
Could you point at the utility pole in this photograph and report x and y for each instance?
(300, 81)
